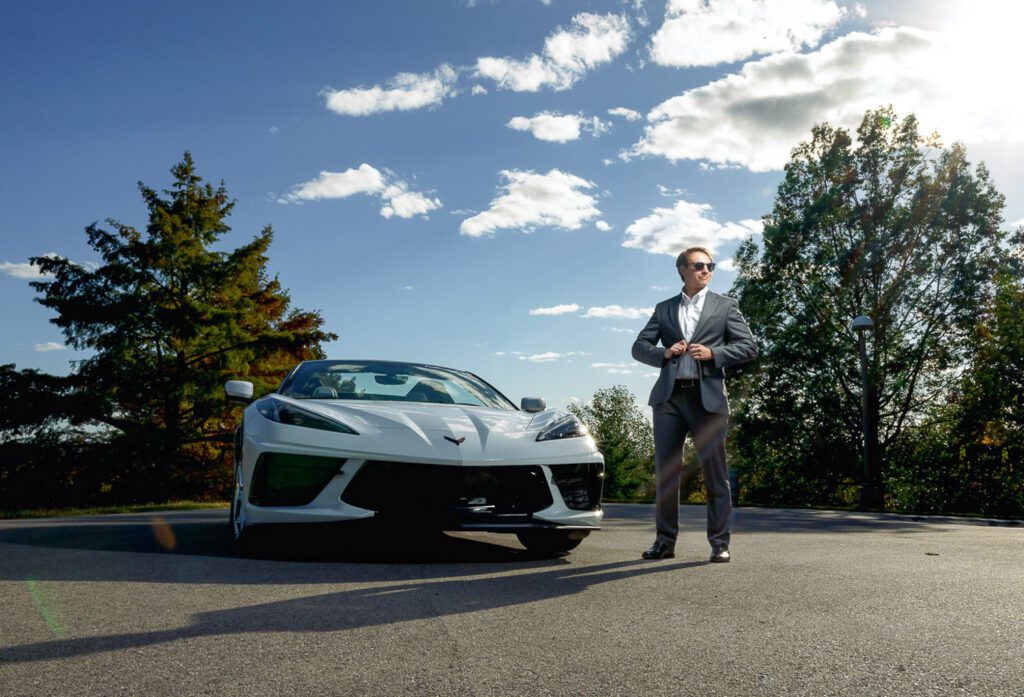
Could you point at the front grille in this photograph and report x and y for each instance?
(580, 485)
(403, 487)
(291, 480)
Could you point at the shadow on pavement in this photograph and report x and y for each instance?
(798, 520)
(206, 533)
(363, 607)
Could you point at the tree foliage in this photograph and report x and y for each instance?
(625, 439)
(969, 458)
(893, 226)
(167, 319)
(33, 401)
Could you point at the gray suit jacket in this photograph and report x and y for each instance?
(721, 328)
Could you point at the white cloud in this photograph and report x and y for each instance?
(618, 312)
(26, 270)
(403, 92)
(549, 356)
(550, 127)
(1016, 224)
(602, 226)
(29, 271)
(620, 330)
(477, 90)
(275, 130)
(725, 31)
(529, 200)
(625, 113)
(753, 118)
(365, 179)
(671, 193)
(556, 310)
(558, 128)
(395, 196)
(614, 368)
(568, 54)
(727, 264)
(641, 13)
(542, 357)
(406, 204)
(671, 230)
(49, 346)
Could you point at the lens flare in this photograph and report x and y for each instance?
(44, 607)
(163, 534)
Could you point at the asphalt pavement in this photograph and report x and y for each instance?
(813, 603)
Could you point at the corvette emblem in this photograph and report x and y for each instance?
(459, 441)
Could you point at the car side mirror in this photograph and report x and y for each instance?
(532, 405)
(238, 391)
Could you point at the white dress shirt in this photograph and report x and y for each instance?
(689, 315)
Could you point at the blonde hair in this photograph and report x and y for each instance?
(684, 257)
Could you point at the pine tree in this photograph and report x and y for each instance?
(168, 319)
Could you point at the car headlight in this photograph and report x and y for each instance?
(566, 427)
(293, 416)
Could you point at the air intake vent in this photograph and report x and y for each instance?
(406, 487)
(580, 485)
(291, 480)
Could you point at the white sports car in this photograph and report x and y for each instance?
(416, 445)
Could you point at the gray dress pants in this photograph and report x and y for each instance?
(683, 413)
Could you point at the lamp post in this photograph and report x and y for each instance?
(870, 496)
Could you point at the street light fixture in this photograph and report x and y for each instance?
(870, 494)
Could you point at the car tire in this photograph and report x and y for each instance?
(240, 529)
(551, 541)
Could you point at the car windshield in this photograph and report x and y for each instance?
(392, 382)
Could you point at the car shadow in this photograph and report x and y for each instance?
(330, 552)
(206, 533)
(360, 608)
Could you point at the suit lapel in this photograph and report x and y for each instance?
(673, 319)
(711, 303)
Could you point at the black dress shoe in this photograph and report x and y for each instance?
(659, 550)
(720, 555)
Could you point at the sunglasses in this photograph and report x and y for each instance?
(699, 265)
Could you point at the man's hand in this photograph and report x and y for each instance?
(676, 349)
(700, 352)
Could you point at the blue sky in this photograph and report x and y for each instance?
(499, 185)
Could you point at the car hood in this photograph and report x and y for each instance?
(446, 432)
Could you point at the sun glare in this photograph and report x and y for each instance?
(974, 69)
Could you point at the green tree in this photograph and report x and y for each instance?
(971, 458)
(36, 455)
(892, 226)
(625, 439)
(33, 401)
(168, 319)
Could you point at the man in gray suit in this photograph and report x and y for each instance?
(701, 334)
